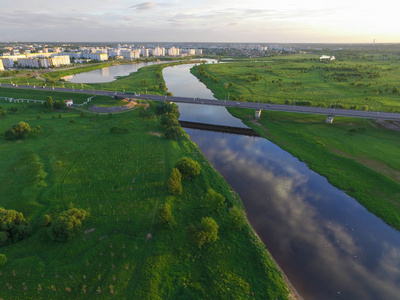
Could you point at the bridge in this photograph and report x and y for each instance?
(330, 112)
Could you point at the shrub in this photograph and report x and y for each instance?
(146, 114)
(72, 121)
(175, 182)
(236, 218)
(166, 107)
(188, 167)
(82, 114)
(174, 132)
(119, 129)
(67, 223)
(13, 227)
(47, 220)
(205, 232)
(18, 131)
(165, 216)
(49, 104)
(214, 201)
(3, 260)
(168, 120)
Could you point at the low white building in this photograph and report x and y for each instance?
(69, 102)
(327, 57)
(1, 65)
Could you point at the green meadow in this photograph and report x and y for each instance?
(369, 82)
(121, 180)
(359, 156)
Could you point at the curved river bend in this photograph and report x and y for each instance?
(329, 246)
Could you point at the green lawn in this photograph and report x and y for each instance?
(121, 179)
(349, 82)
(358, 156)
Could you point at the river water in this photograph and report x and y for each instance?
(329, 246)
(109, 73)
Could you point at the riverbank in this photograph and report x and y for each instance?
(355, 155)
(121, 179)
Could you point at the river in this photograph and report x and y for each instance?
(328, 245)
(109, 73)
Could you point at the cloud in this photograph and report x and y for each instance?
(144, 6)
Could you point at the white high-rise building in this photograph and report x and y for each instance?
(144, 52)
(173, 51)
(159, 51)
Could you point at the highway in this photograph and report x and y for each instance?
(251, 105)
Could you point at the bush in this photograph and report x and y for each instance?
(3, 260)
(214, 201)
(236, 218)
(47, 220)
(174, 132)
(165, 216)
(175, 182)
(146, 114)
(188, 167)
(168, 120)
(166, 107)
(49, 104)
(119, 129)
(72, 121)
(67, 223)
(205, 232)
(13, 227)
(18, 131)
(82, 114)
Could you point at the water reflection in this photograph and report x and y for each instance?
(329, 246)
(108, 74)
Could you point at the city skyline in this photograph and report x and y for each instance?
(200, 21)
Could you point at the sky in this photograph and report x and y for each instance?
(253, 21)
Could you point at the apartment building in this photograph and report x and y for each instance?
(159, 51)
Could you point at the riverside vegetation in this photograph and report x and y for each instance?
(363, 82)
(136, 228)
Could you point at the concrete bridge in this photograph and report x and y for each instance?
(329, 112)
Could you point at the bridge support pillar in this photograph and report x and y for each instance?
(329, 119)
(257, 114)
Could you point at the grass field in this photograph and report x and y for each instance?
(358, 156)
(358, 83)
(121, 179)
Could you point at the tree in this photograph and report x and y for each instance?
(175, 182)
(174, 132)
(66, 224)
(205, 232)
(168, 120)
(13, 227)
(18, 131)
(49, 103)
(188, 167)
(236, 218)
(214, 201)
(166, 107)
(165, 216)
(3, 260)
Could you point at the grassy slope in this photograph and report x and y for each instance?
(40, 94)
(366, 164)
(349, 82)
(121, 179)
